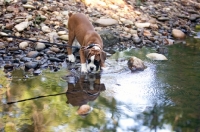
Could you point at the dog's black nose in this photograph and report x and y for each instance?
(91, 68)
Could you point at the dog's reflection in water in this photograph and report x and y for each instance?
(87, 88)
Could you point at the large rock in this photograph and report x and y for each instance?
(106, 22)
(135, 63)
(178, 34)
(108, 37)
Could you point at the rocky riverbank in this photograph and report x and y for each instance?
(122, 24)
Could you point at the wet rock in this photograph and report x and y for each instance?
(32, 54)
(20, 27)
(23, 45)
(162, 50)
(54, 59)
(156, 56)
(8, 67)
(84, 110)
(106, 22)
(135, 63)
(178, 34)
(37, 72)
(31, 65)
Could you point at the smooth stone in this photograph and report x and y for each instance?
(135, 63)
(40, 46)
(23, 45)
(156, 56)
(37, 72)
(64, 37)
(54, 49)
(46, 29)
(28, 6)
(142, 25)
(21, 26)
(163, 18)
(55, 59)
(62, 32)
(176, 33)
(32, 54)
(31, 65)
(147, 33)
(106, 22)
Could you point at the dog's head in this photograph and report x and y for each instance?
(95, 59)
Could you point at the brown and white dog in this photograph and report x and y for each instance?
(92, 56)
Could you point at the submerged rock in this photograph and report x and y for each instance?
(135, 63)
(84, 109)
(156, 56)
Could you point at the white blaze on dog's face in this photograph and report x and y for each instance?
(93, 65)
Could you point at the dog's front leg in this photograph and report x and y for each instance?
(83, 61)
(71, 57)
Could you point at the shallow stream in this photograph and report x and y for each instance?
(162, 98)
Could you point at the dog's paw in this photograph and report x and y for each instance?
(83, 68)
(104, 68)
(71, 58)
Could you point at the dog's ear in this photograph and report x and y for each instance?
(102, 57)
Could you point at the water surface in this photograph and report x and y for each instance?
(164, 97)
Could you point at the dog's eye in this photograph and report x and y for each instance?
(89, 61)
(96, 62)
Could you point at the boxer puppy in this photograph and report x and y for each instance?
(92, 56)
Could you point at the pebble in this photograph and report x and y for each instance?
(40, 46)
(142, 25)
(23, 45)
(33, 54)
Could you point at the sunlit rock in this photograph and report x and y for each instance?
(106, 22)
(135, 63)
(23, 45)
(178, 34)
(40, 46)
(23, 25)
(156, 56)
(142, 25)
(28, 6)
(46, 29)
(64, 37)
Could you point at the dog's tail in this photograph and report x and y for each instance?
(70, 14)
